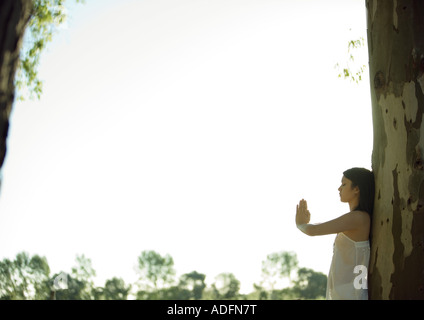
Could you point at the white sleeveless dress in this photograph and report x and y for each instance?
(346, 255)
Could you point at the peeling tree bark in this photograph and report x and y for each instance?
(396, 59)
(14, 17)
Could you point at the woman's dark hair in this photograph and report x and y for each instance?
(364, 180)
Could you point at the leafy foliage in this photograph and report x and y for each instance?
(28, 278)
(310, 284)
(278, 268)
(226, 287)
(352, 70)
(75, 289)
(24, 278)
(155, 270)
(278, 265)
(46, 17)
(116, 289)
(192, 285)
(84, 273)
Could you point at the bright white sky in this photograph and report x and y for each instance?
(188, 127)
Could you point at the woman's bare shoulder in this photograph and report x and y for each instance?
(360, 216)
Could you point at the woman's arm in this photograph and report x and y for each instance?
(349, 221)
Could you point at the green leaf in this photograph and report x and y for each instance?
(46, 17)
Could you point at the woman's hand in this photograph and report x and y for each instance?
(302, 214)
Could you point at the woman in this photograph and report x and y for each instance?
(351, 249)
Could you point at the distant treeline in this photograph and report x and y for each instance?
(29, 278)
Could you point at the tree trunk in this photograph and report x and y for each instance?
(14, 17)
(396, 60)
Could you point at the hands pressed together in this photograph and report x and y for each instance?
(303, 215)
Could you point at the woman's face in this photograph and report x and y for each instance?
(347, 193)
